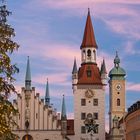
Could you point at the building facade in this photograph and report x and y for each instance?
(37, 119)
(132, 122)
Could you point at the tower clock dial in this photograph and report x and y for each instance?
(89, 93)
(118, 87)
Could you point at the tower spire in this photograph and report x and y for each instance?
(63, 112)
(47, 95)
(28, 76)
(89, 38)
(74, 67)
(117, 60)
(103, 67)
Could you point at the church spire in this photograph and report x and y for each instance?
(63, 112)
(89, 38)
(28, 76)
(74, 67)
(47, 95)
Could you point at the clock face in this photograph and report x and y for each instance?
(89, 93)
(118, 87)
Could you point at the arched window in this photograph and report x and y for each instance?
(84, 54)
(27, 137)
(118, 102)
(94, 54)
(89, 53)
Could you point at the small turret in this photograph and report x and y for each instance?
(117, 72)
(103, 73)
(47, 95)
(28, 76)
(74, 74)
(63, 119)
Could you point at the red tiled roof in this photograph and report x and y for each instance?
(95, 77)
(89, 38)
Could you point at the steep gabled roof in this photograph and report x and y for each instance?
(89, 38)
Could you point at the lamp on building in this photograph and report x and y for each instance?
(90, 125)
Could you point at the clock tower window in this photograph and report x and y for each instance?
(118, 102)
(95, 102)
(118, 92)
(83, 102)
(83, 116)
(95, 115)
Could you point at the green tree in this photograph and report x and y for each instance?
(7, 71)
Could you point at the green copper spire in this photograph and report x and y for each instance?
(28, 76)
(63, 112)
(74, 67)
(117, 73)
(47, 95)
(117, 60)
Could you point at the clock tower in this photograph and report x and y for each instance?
(88, 85)
(117, 92)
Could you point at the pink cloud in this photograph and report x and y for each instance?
(106, 10)
(55, 78)
(83, 3)
(131, 49)
(133, 87)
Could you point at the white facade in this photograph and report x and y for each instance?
(79, 94)
(43, 120)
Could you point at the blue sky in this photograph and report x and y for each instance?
(51, 32)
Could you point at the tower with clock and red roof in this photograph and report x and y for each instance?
(88, 83)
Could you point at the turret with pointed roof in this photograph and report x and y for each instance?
(103, 72)
(63, 111)
(74, 74)
(63, 119)
(74, 67)
(103, 68)
(89, 38)
(47, 95)
(28, 76)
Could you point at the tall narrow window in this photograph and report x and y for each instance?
(95, 102)
(84, 55)
(89, 53)
(83, 116)
(83, 129)
(83, 102)
(97, 130)
(94, 54)
(118, 102)
(95, 115)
